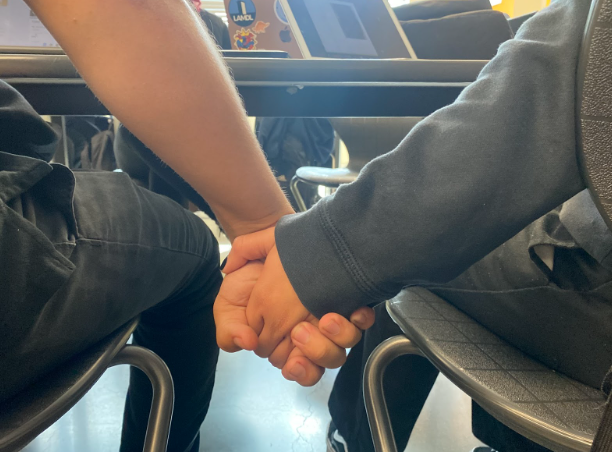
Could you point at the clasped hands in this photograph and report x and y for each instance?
(257, 309)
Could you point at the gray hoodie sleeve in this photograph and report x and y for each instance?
(465, 180)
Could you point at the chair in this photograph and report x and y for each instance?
(469, 30)
(484, 366)
(32, 411)
(365, 139)
(516, 22)
(516, 390)
(474, 35)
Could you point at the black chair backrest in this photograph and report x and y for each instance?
(467, 36)
(516, 22)
(453, 29)
(594, 105)
(594, 136)
(434, 9)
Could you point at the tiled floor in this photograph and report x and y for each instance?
(253, 409)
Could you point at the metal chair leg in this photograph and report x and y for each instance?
(297, 195)
(158, 428)
(373, 393)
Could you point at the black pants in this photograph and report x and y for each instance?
(560, 317)
(134, 253)
(407, 383)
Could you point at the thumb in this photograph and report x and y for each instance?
(232, 329)
(249, 247)
(242, 338)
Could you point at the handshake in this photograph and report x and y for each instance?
(257, 309)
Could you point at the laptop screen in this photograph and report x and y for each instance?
(21, 29)
(349, 29)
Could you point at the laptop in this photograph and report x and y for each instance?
(318, 28)
(22, 32)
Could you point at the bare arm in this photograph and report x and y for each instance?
(152, 63)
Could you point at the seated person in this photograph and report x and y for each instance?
(215, 26)
(291, 143)
(560, 260)
(464, 181)
(83, 253)
(516, 265)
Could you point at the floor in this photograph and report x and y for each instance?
(253, 409)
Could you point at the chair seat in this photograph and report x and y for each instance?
(329, 177)
(540, 404)
(28, 414)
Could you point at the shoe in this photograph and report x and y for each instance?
(335, 442)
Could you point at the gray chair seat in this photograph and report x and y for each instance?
(329, 177)
(542, 405)
(32, 411)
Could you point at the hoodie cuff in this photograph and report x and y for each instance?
(319, 269)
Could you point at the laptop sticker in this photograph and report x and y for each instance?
(242, 12)
(245, 39)
(260, 27)
(280, 13)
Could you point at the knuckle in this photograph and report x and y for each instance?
(313, 379)
(262, 353)
(228, 347)
(318, 354)
(238, 242)
(275, 362)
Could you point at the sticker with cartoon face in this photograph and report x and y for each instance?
(242, 12)
(245, 40)
(280, 13)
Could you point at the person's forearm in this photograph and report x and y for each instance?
(465, 180)
(154, 66)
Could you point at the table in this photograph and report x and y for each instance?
(273, 87)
